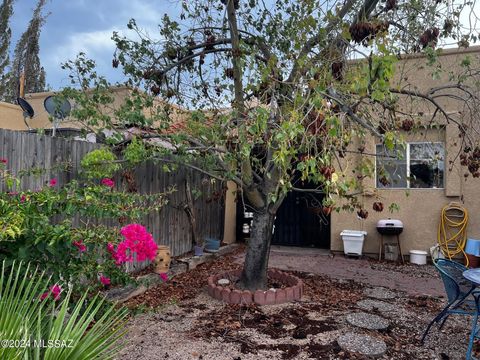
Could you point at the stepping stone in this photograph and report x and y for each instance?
(369, 305)
(362, 344)
(380, 293)
(367, 321)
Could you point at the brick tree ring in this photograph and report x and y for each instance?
(293, 290)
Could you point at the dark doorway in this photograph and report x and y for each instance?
(301, 222)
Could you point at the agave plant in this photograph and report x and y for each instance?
(46, 329)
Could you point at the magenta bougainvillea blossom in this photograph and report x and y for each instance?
(164, 277)
(138, 244)
(52, 182)
(105, 280)
(3, 161)
(55, 290)
(80, 245)
(108, 182)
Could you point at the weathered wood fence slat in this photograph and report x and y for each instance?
(169, 226)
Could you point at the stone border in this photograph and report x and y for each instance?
(293, 292)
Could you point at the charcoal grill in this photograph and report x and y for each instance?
(390, 227)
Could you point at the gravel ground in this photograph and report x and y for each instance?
(198, 327)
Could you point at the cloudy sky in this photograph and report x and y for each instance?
(86, 25)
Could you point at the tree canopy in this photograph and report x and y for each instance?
(287, 88)
(26, 57)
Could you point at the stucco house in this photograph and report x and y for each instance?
(427, 178)
(430, 175)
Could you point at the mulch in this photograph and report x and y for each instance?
(186, 285)
(292, 327)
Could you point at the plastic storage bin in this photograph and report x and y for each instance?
(353, 241)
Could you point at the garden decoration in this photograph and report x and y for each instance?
(163, 259)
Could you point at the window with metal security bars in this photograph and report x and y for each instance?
(419, 165)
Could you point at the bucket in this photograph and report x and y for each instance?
(212, 245)
(198, 250)
(418, 257)
(163, 259)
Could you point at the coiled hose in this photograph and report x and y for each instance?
(452, 231)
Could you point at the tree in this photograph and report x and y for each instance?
(6, 11)
(298, 98)
(26, 58)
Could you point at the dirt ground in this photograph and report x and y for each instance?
(180, 321)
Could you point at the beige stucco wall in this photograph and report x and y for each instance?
(419, 208)
(11, 115)
(230, 224)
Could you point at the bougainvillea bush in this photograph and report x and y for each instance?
(63, 229)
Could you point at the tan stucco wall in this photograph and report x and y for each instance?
(11, 115)
(419, 208)
(230, 224)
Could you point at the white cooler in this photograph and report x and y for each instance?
(353, 241)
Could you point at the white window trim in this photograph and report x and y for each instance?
(407, 158)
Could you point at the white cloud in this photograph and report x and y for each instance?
(93, 35)
(92, 42)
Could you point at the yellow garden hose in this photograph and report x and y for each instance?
(452, 230)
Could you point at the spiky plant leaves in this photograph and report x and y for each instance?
(47, 330)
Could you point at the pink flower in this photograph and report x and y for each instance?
(3, 161)
(138, 244)
(23, 198)
(52, 182)
(108, 182)
(13, 193)
(105, 280)
(55, 290)
(80, 245)
(164, 277)
(111, 248)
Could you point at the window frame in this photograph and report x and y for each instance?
(407, 160)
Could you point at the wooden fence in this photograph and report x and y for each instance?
(169, 226)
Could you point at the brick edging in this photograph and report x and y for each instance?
(293, 292)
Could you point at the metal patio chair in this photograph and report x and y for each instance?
(459, 293)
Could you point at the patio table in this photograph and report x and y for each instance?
(473, 275)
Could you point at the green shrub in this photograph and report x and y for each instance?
(99, 164)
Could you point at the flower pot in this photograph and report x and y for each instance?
(162, 260)
(212, 245)
(473, 261)
(198, 250)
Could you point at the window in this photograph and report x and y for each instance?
(419, 165)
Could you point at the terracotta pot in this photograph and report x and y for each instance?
(473, 261)
(162, 261)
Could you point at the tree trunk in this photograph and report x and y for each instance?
(254, 275)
